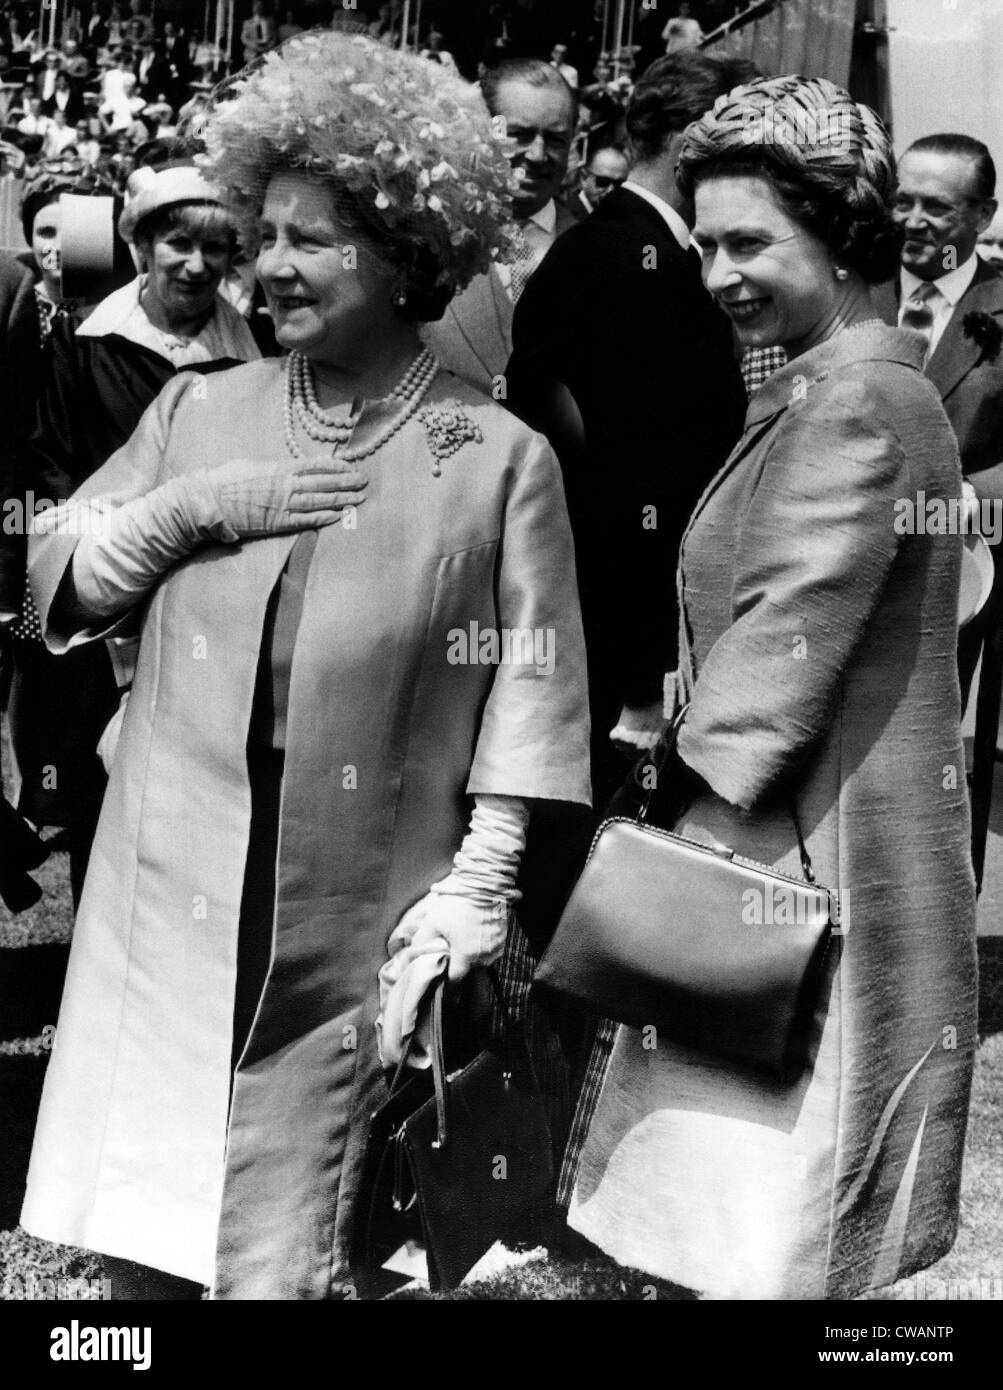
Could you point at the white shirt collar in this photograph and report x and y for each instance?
(676, 225)
(952, 285)
(226, 334)
(546, 218)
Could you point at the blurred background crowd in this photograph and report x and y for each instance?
(84, 88)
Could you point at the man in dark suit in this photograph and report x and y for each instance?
(624, 361)
(949, 294)
(540, 112)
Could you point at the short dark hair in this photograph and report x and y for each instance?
(532, 70)
(965, 148)
(34, 203)
(843, 201)
(868, 241)
(671, 94)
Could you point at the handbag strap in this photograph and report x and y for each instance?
(657, 761)
(438, 1051)
(659, 756)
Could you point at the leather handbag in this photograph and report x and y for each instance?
(715, 951)
(462, 1168)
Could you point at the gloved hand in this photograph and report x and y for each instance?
(243, 498)
(118, 561)
(472, 930)
(463, 920)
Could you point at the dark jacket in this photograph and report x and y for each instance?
(618, 313)
(969, 375)
(96, 390)
(20, 355)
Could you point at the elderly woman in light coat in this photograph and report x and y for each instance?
(302, 764)
(818, 656)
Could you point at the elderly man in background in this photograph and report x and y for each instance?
(953, 298)
(540, 113)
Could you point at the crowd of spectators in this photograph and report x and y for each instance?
(117, 78)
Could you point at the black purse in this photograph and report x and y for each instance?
(716, 952)
(461, 1168)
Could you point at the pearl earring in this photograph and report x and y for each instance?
(841, 273)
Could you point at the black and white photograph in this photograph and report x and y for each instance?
(501, 667)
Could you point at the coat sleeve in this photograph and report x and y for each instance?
(815, 552)
(132, 471)
(534, 735)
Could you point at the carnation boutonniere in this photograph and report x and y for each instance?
(448, 427)
(986, 333)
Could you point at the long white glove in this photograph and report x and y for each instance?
(123, 553)
(461, 922)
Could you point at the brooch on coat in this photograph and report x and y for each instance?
(986, 333)
(448, 427)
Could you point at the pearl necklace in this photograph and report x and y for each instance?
(301, 407)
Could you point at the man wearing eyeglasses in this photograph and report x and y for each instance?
(954, 299)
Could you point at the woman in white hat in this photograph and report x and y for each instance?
(104, 370)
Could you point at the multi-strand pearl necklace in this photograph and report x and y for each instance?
(301, 407)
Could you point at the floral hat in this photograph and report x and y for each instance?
(403, 139)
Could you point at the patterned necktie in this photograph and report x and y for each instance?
(917, 313)
(524, 264)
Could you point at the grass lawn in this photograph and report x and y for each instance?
(975, 1263)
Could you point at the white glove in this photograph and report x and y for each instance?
(462, 920)
(123, 554)
(471, 932)
(243, 499)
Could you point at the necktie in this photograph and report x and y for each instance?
(526, 261)
(917, 313)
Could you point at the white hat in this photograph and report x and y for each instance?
(150, 189)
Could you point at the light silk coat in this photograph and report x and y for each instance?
(135, 1154)
(821, 657)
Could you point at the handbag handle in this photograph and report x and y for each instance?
(438, 1050)
(660, 756)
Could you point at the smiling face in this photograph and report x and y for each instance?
(936, 206)
(774, 279)
(185, 265)
(540, 120)
(320, 304)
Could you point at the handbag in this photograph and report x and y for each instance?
(463, 1167)
(715, 951)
